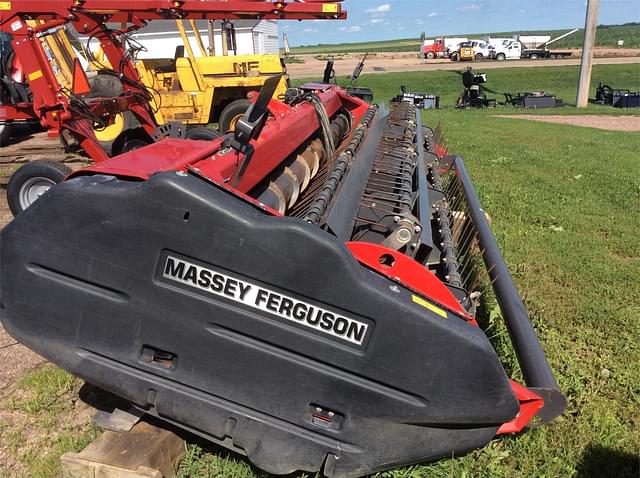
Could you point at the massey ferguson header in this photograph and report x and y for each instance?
(301, 291)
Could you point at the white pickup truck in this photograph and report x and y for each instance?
(505, 49)
(481, 49)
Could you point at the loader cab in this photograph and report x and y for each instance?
(480, 49)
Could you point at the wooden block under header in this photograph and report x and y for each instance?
(145, 452)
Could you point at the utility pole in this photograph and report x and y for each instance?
(590, 27)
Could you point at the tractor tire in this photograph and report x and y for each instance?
(479, 56)
(104, 86)
(431, 55)
(454, 57)
(131, 139)
(501, 57)
(111, 137)
(31, 181)
(202, 133)
(231, 114)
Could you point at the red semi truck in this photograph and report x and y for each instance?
(440, 47)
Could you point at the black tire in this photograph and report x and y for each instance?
(431, 55)
(501, 57)
(230, 115)
(108, 86)
(479, 56)
(31, 181)
(454, 57)
(105, 86)
(130, 140)
(533, 56)
(201, 133)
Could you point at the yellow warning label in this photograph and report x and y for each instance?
(5, 5)
(35, 75)
(329, 8)
(429, 305)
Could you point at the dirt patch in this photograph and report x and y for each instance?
(314, 65)
(610, 123)
(16, 360)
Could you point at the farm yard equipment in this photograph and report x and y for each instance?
(329, 77)
(535, 100)
(206, 88)
(474, 95)
(420, 100)
(465, 52)
(605, 95)
(44, 81)
(301, 291)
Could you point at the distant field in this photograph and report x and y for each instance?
(608, 36)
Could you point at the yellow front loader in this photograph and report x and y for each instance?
(205, 89)
(196, 90)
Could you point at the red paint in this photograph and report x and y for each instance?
(80, 81)
(406, 271)
(88, 17)
(530, 405)
(440, 151)
(167, 155)
(282, 136)
(138, 10)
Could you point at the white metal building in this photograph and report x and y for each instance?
(161, 37)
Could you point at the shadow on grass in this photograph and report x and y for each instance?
(600, 462)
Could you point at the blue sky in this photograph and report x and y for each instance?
(389, 19)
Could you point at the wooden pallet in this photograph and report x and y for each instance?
(144, 452)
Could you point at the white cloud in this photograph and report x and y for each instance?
(471, 7)
(433, 14)
(310, 30)
(384, 8)
(376, 20)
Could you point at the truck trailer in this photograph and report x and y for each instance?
(534, 47)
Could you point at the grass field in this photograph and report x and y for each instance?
(558, 80)
(564, 203)
(608, 36)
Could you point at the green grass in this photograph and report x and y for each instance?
(44, 426)
(44, 387)
(559, 80)
(608, 36)
(564, 203)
